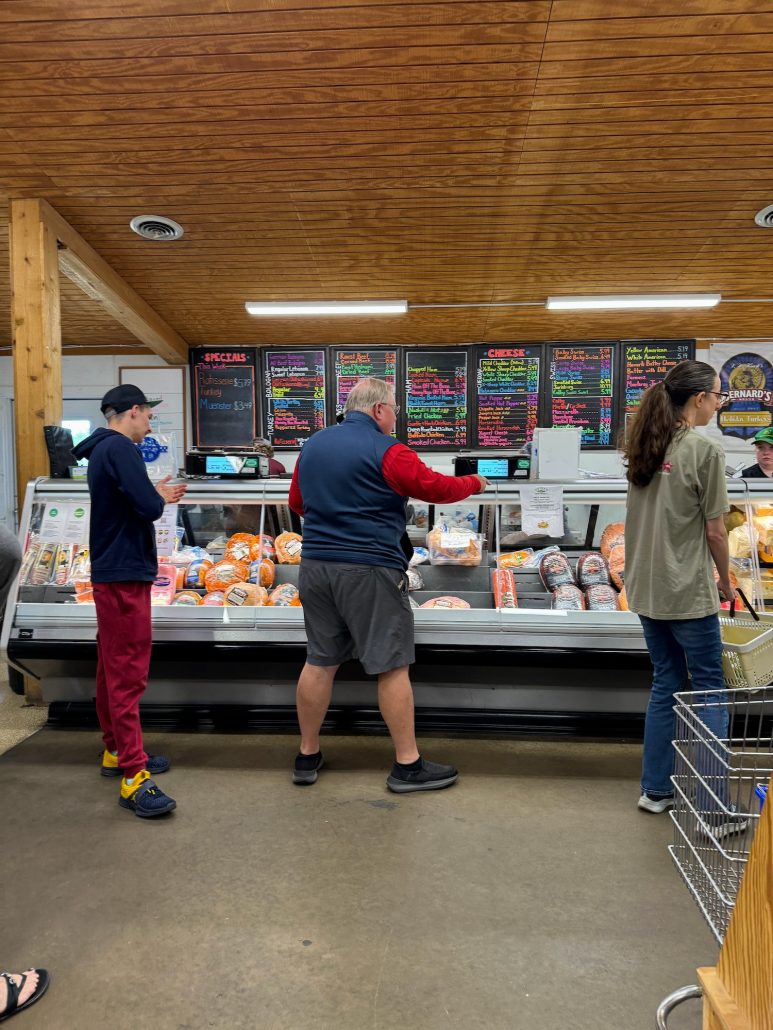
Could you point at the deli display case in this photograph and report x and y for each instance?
(486, 660)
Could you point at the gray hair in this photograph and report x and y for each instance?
(367, 393)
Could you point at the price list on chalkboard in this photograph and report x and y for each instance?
(295, 395)
(436, 399)
(223, 382)
(581, 391)
(507, 380)
(351, 365)
(649, 362)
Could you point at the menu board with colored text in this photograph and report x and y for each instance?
(436, 399)
(508, 386)
(648, 362)
(295, 385)
(360, 363)
(581, 391)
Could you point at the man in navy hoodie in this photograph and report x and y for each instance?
(351, 484)
(122, 543)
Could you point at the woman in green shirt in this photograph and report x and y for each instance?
(674, 536)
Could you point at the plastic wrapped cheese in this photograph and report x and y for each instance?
(262, 571)
(591, 569)
(288, 548)
(197, 570)
(263, 547)
(239, 547)
(515, 559)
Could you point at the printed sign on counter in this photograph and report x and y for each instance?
(581, 392)
(223, 383)
(436, 399)
(507, 380)
(352, 365)
(295, 395)
(542, 510)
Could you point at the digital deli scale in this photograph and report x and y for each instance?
(516, 466)
(226, 465)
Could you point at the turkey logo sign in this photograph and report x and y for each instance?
(748, 379)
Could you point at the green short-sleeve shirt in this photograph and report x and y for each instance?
(669, 571)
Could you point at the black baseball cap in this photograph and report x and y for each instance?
(123, 397)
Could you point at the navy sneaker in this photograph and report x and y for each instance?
(144, 798)
(156, 764)
(306, 768)
(430, 776)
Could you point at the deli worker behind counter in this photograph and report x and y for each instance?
(122, 545)
(351, 484)
(763, 448)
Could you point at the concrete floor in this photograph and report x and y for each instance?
(531, 896)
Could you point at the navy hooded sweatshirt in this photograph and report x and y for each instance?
(124, 506)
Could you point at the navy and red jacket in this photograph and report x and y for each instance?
(351, 484)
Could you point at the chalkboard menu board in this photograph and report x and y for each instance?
(223, 383)
(508, 387)
(351, 365)
(436, 399)
(295, 395)
(581, 391)
(648, 362)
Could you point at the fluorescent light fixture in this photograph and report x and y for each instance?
(633, 301)
(280, 308)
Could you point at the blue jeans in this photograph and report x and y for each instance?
(676, 646)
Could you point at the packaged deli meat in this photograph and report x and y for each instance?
(454, 545)
(262, 571)
(515, 559)
(245, 594)
(622, 600)
(446, 601)
(602, 598)
(239, 547)
(555, 570)
(215, 598)
(591, 569)
(263, 547)
(503, 588)
(568, 598)
(226, 572)
(616, 562)
(187, 597)
(613, 535)
(288, 548)
(197, 570)
(285, 596)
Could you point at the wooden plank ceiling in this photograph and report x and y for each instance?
(455, 152)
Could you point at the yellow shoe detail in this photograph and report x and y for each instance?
(109, 760)
(127, 789)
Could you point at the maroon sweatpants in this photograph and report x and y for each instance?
(124, 637)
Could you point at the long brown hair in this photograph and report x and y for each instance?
(659, 418)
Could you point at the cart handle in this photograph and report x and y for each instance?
(743, 597)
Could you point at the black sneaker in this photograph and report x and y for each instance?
(306, 769)
(430, 776)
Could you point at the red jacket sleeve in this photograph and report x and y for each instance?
(295, 500)
(407, 474)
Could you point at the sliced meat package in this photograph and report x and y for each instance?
(591, 569)
(568, 598)
(503, 587)
(602, 598)
(555, 570)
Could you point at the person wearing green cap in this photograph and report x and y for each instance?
(763, 448)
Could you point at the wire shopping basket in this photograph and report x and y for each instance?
(723, 761)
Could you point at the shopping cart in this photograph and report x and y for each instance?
(723, 761)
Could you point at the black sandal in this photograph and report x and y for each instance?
(14, 991)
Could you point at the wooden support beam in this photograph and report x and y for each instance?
(37, 336)
(81, 263)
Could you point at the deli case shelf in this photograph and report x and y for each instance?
(480, 667)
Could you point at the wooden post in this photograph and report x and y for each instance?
(37, 337)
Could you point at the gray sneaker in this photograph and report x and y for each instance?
(735, 822)
(430, 776)
(656, 805)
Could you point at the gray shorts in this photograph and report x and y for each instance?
(356, 611)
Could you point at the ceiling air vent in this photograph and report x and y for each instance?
(156, 227)
(764, 217)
